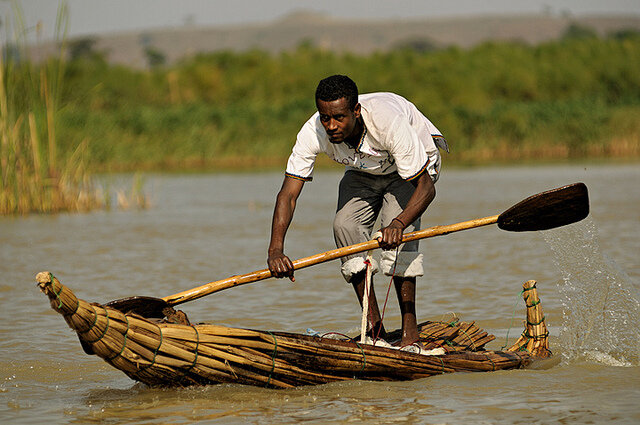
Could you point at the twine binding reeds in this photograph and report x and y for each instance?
(535, 337)
(170, 354)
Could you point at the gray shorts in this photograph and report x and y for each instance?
(362, 198)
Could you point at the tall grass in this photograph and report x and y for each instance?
(34, 176)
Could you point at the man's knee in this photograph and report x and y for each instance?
(342, 222)
(348, 230)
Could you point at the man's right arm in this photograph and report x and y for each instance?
(279, 264)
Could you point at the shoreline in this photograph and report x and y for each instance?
(246, 164)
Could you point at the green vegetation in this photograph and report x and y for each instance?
(578, 97)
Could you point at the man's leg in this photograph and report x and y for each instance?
(406, 264)
(406, 291)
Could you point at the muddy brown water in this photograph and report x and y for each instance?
(206, 227)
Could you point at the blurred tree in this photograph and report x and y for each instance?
(577, 31)
(420, 45)
(155, 58)
(625, 34)
(82, 48)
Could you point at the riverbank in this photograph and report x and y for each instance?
(484, 158)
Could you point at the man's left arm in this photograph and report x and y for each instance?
(422, 196)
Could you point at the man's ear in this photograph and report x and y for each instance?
(356, 110)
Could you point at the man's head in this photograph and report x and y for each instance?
(337, 103)
(336, 87)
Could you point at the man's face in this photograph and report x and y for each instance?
(338, 120)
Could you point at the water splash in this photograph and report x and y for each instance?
(601, 307)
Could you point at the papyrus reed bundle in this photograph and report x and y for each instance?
(170, 354)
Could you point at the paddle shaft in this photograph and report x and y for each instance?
(210, 288)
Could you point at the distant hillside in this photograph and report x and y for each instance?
(362, 37)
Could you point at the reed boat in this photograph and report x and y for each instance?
(173, 352)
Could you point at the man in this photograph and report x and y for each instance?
(391, 163)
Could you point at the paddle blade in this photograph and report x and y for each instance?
(547, 210)
(148, 307)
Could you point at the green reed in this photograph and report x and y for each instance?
(34, 175)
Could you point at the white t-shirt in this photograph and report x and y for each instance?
(397, 137)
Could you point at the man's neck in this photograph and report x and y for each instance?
(354, 140)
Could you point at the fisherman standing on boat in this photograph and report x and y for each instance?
(390, 151)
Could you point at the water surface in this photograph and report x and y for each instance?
(207, 227)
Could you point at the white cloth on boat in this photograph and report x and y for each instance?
(417, 349)
(413, 348)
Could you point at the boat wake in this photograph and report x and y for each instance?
(601, 307)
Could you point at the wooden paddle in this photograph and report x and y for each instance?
(546, 210)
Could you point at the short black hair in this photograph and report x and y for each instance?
(336, 87)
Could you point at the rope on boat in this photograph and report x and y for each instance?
(533, 304)
(106, 327)
(535, 337)
(473, 344)
(57, 294)
(124, 343)
(364, 322)
(364, 357)
(513, 315)
(52, 280)
(393, 273)
(77, 306)
(273, 357)
(367, 288)
(367, 291)
(155, 352)
(95, 320)
(493, 365)
(195, 359)
(452, 324)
